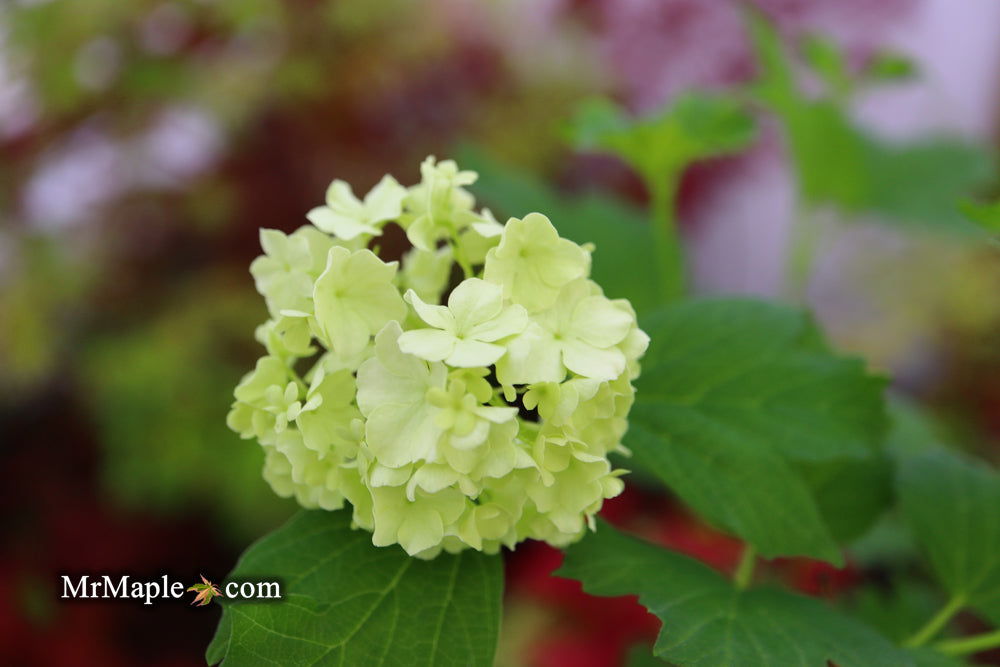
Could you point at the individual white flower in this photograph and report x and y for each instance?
(417, 526)
(326, 419)
(392, 395)
(426, 272)
(580, 332)
(463, 333)
(461, 416)
(439, 207)
(533, 263)
(354, 298)
(347, 217)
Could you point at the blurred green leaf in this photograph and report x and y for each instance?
(898, 607)
(708, 622)
(828, 61)
(985, 215)
(160, 393)
(839, 163)
(890, 66)
(733, 394)
(952, 506)
(347, 602)
(923, 182)
(658, 147)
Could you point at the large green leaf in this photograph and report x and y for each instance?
(708, 623)
(851, 494)
(346, 602)
(734, 395)
(952, 506)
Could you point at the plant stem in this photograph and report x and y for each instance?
(462, 261)
(936, 623)
(666, 239)
(747, 564)
(967, 645)
(802, 247)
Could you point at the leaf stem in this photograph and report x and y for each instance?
(803, 242)
(747, 564)
(666, 238)
(967, 645)
(936, 623)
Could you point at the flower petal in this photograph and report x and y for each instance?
(511, 320)
(385, 200)
(474, 301)
(429, 344)
(592, 362)
(339, 225)
(438, 317)
(472, 353)
(597, 321)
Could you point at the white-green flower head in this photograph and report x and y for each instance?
(463, 333)
(450, 414)
(347, 217)
(532, 263)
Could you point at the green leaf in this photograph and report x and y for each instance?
(985, 215)
(707, 622)
(348, 602)
(693, 127)
(734, 393)
(850, 494)
(952, 506)
(890, 66)
(897, 606)
(619, 232)
(838, 163)
(922, 182)
(829, 62)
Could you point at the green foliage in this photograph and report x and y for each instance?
(160, 393)
(659, 148)
(347, 602)
(736, 400)
(830, 63)
(985, 215)
(839, 163)
(890, 66)
(951, 506)
(693, 127)
(708, 622)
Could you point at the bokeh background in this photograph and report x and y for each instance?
(143, 143)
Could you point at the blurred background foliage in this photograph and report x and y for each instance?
(144, 144)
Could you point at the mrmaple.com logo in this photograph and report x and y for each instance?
(124, 587)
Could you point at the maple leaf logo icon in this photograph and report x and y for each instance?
(206, 590)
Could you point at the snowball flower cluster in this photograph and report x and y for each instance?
(465, 397)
